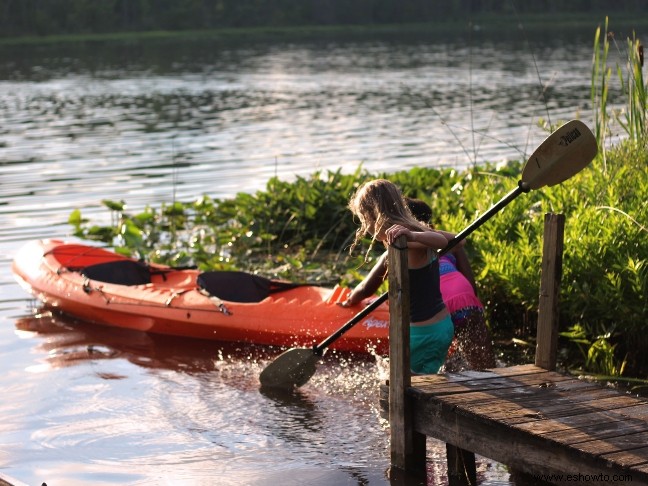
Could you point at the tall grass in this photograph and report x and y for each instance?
(633, 118)
(600, 88)
(633, 113)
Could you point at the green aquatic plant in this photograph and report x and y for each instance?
(598, 353)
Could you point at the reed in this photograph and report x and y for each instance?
(600, 88)
(633, 117)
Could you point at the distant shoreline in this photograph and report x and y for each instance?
(487, 25)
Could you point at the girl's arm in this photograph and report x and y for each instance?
(370, 284)
(419, 239)
(450, 236)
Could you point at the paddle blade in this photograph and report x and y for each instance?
(292, 368)
(563, 154)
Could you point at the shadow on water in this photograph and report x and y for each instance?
(288, 398)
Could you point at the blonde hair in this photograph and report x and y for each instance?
(379, 204)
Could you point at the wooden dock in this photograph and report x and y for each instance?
(554, 428)
(540, 422)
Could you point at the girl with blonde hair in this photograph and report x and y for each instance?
(383, 213)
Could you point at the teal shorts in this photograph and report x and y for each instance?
(429, 346)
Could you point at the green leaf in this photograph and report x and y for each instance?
(114, 205)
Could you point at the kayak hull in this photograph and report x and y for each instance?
(173, 304)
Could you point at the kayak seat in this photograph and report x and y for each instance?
(240, 286)
(120, 272)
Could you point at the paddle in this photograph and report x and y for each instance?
(563, 154)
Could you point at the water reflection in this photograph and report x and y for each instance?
(67, 342)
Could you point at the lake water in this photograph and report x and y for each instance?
(152, 121)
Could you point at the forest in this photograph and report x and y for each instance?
(64, 17)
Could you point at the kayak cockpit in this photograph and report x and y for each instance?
(100, 265)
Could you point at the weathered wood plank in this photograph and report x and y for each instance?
(494, 382)
(520, 370)
(627, 443)
(483, 401)
(630, 458)
(537, 407)
(642, 468)
(638, 411)
(595, 429)
(578, 428)
(502, 391)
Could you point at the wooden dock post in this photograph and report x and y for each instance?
(462, 468)
(548, 309)
(407, 445)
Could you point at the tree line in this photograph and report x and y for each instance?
(52, 17)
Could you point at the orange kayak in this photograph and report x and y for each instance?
(103, 287)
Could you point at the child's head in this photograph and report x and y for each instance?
(379, 204)
(420, 209)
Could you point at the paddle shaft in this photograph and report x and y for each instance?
(522, 187)
(494, 209)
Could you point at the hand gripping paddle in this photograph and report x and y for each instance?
(563, 154)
